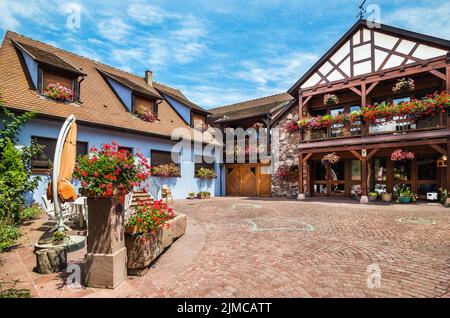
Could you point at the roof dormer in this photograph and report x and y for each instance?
(51, 76)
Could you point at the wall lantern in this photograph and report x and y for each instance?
(442, 162)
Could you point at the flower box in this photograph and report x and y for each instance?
(404, 200)
(143, 249)
(373, 197)
(203, 195)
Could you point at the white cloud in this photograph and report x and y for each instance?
(146, 14)
(431, 19)
(276, 73)
(113, 29)
(123, 56)
(12, 12)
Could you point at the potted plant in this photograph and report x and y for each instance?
(106, 176)
(445, 197)
(404, 195)
(330, 99)
(404, 85)
(191, 195)
(58, 238)
(146, 113)
(386, 197)
(203, 195)
(373, 196)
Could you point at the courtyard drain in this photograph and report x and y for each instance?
(417, 220)
(277, 224)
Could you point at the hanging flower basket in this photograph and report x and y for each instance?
(330, 159)
(400, 155)
(330, 99)
(404, 85)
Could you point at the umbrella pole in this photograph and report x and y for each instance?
(56, 169)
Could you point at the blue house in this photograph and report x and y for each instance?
(109, 104)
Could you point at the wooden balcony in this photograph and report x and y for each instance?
(396, 126)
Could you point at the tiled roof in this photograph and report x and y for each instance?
(255, 107)
(178, 95)
(145, 90)
(98, 103)
(45, 57)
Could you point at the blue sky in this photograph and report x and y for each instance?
(216, 52)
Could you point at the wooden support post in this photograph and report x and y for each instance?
(365, 127)
(448, 166)
(364, 197)
(301, 192)
(300, 106)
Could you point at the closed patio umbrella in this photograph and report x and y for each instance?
(64, 164)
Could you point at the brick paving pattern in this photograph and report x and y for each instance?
(238, 247)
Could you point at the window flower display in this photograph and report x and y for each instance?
(58, 92)
(205, 173)
(292, 126)
(146, 114)
(166, 170)
(287, 173)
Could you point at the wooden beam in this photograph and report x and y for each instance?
(371, 87)
(438, 74)
(356, 154)
(338, 148)
(306, 157)
(307, 99)
(447, 81)
(354, 89)
(364, 176)
(439, 149)
(396, 72)
(300, 174)
(372, 153)
(363, 95)
(300, 106)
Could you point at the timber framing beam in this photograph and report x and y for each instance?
(378, 146)
(404, 70)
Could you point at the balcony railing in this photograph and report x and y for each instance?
(397, 125)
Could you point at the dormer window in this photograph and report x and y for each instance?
(57, 85)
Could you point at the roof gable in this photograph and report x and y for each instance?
(363, 50)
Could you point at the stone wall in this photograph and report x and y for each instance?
(285, 148)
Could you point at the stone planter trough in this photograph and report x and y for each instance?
(142, 250)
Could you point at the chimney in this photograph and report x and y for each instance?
(149, 78)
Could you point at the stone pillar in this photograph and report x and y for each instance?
(106, 256)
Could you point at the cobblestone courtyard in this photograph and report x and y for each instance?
(238, 247)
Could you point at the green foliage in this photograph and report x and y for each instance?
(31, 212)
(8, 235)
(15, 165)
(15, 293)
(59, 236)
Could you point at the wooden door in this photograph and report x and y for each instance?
(248, 180)
(233, 180)
(264, 181)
